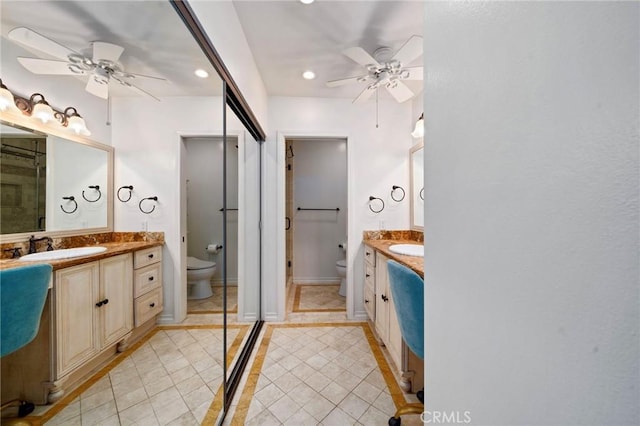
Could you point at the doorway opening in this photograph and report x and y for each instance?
(316, 199)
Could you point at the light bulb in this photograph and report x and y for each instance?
(418, 131)
(6, 100)
(76, 123)
(43, 112)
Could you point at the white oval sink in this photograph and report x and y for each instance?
(408, 249)
(63, 253)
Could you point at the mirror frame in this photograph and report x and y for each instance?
(19, 120)
(412, 187)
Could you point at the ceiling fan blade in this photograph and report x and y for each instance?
(365, 95)
(135, 88)
(359, 55)
(343, 81)
(415, 73)
(47, 66)
(106, 51)
(39, 42)
(97, 88)
(411, 50)
(400, 91)
(124, 74)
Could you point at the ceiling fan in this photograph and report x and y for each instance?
(102, 66)
(386, 71)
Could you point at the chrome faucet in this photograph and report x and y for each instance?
(33, 241)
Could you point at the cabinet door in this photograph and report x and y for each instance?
(382, 292)
(116, 287)
(394, 342)
(76, 294)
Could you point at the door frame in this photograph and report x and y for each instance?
(281, 275)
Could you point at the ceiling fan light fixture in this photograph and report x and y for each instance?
(418, 130)
(308, 75)
(306, 1)
(201, 73)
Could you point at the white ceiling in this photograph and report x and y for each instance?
(286, 37)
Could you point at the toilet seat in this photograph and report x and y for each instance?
(193, 263)
(342, 263)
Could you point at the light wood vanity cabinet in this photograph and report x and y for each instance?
(381, 310)
(147, 284)
(93, 309)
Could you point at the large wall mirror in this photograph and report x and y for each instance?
(52, 182)
(416, 161)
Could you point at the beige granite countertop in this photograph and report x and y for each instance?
(113, 249)
(414, 262)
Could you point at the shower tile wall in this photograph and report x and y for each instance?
(20, 197)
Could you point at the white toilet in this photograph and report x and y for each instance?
(199, 273)
(341, 267)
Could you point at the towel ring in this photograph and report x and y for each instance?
(70, 198)
(422, 194)
(371, 198)
(393, 188)
(97, 188)
(130, 188)
(148, 198)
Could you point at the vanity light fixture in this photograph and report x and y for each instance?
(308, 75)
(201, 73)
(38, 107)
(71, 119)
(418, 131)
(6, 98)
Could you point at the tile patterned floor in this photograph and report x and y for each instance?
(317, 298)
(319, 374)
(213, 304)
(170, 378)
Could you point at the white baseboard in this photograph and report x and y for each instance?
(165, 319)
(218, 283)
(360, 316)
(319, 281)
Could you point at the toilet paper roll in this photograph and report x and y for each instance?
(214, 248)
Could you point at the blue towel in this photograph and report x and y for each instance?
(407, 289)
(23, 292)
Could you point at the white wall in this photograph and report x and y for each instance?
(220, 21)
(320, 181)
(204, 200)
(60, 91)
(531, 221)
(147, 136)
(377, 159)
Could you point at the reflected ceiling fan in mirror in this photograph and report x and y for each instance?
(384, 70)
(102, 66)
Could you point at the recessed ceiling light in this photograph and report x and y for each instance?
(201, 73)
(306, 1)
(308, 75)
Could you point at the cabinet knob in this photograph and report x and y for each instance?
(151, 256)
(102, 302)
(105, 301)
(99, 304)
(151, 278)
(367, 275)
(383, 297)
(366, 301)
(366, 253)
(152, 305)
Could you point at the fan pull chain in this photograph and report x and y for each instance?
(108, 111)
(376, 108)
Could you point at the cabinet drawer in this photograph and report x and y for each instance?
(147, 257)
(369, 255)
(369, 275)
(148, 306)
(146, 279)
(370, 302)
